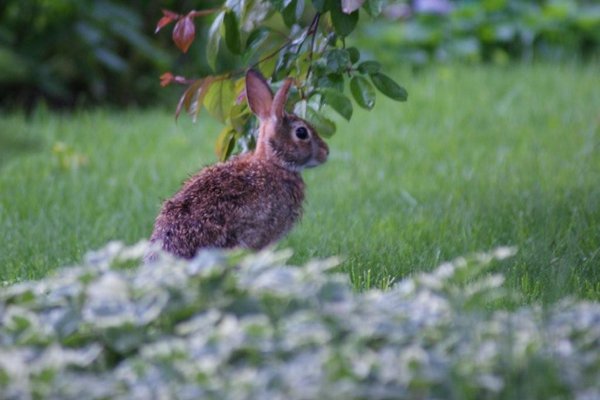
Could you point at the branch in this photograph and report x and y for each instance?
(311, 30)
(202, 13)
(314, 25)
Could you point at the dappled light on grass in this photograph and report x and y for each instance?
(229, 325)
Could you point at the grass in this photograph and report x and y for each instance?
(479, 157)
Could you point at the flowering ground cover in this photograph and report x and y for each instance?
(234, 326)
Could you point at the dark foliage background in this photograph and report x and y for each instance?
(73, 52)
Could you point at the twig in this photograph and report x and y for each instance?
(314, 25)
(202, 13)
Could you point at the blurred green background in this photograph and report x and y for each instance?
(70, 53)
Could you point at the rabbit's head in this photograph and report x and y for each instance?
(285, 139)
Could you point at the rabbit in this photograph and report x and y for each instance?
(253, 199)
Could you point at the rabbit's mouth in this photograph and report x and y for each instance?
(319, 157)
(315, 161)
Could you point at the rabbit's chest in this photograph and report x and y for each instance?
(281, 200)
(275, 207)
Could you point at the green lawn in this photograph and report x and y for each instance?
(478, 157)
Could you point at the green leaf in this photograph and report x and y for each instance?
(284, 63)
(335, 81)
(280, 5)
(225, 143)
(277, 5)
(362, 91)
(343, 23)
(388, 87)
(267, 67)
(219, 99)
(324, 126)
(256, 38)
(338, 101)
(214, 39)
(338, 60)
(246, 15)
(293, 12)
(369, 67)
(354, 54)
(373, 7)
(232, 32)
(125, 338)
(289, 14)
(239, 116)
(320, 5)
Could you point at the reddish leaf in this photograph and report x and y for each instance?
(184, 33)
(166, 79)
(168, 17)
(169, 13)
(198, 99)
(187, 97)
(191, 100)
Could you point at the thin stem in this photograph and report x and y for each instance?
(184, 81)
(314, 27)
(202, 13)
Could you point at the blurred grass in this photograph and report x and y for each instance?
(478, 157)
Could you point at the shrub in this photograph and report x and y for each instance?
(491, 30)
(72, 52)
(305, 41)
(235, 326)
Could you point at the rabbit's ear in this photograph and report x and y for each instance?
(259, 95)
(278, 108)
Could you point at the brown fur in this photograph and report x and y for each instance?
(253, 199)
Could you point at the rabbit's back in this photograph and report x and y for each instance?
(245, 202)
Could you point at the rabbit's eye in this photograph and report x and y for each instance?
(302, 133)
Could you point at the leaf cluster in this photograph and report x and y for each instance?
(234, 326)
(282, 38)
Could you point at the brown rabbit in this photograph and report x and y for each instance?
(253, 199)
